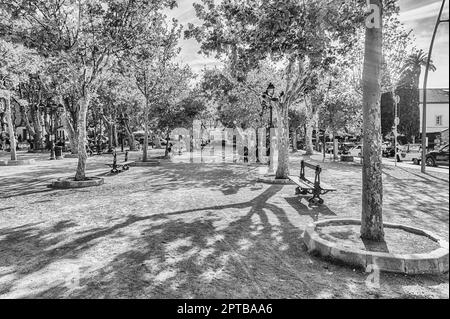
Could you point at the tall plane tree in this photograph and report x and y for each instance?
(372, 190)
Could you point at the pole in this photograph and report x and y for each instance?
(425, 83)
(272, 149)
(52, 136)
(395, 127)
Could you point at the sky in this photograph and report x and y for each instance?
(418, 15)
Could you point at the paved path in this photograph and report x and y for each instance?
(195, 231)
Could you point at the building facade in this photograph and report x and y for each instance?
(437, 117)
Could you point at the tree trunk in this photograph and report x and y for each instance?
(130, 138)
(294, 140)
(145, 148)
(71, 133)
(115, 136)
(372, 191)
(283, 142)
(308, 138)
(81, 128)
(166, 153)
(24, 114)
(110, 136)
(39, 134)
(157, 142)
(12, 135)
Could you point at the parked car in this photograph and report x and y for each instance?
(440, 157)
(411, 153)
(389, 152)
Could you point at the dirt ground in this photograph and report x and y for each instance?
(185, 230)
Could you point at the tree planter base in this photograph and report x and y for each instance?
(17, 163)
(270, 179)
(435, 261)
(67, 183)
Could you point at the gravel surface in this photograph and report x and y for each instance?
(185, 230)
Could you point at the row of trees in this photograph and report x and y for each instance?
(98, 59)
(313, 53)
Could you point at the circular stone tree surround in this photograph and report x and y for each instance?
(67, 183)
(433, 262)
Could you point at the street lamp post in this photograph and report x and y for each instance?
(395, 128)
(425, 83)
(123, 120)
(52, 109)
(268, 96)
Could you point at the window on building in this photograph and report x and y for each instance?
(439, 120)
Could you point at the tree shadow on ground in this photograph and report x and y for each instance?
(243, 250)
(311, 210)
(227, 178)
(36, 179)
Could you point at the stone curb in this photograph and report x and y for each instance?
(271, 180)
(435, 262)
(68, 183)
(17, 163)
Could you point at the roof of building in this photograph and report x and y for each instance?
(435, 96)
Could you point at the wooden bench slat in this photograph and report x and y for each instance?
(302, 183)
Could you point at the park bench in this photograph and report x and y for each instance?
(120, 167)
(306, 186)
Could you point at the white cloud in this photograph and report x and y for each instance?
(423, 12)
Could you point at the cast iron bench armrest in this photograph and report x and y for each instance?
(311, 166)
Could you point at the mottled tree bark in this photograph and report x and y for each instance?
(294, 140)
(308, 139)
(12, 135)
(283, 141)
(38, 137)
(71, 134)
(372, 191)
(81, 128)
(130, 137)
